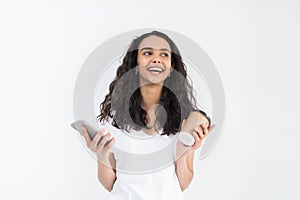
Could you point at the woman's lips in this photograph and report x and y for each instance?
(156, 69)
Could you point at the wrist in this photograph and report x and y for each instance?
(103, 159)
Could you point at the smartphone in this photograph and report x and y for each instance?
(90, 129)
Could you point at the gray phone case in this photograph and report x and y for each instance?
(78, 126)
(91, 130)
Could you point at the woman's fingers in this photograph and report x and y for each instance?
(98, 137)
(211, 128)
(196, 136)
(109, 144)
(197, 140)
(100, 144)
(204, 129)
(200, 132)
(104, 140)
(86, 135)
(105, 144)
(100, 140)
(183, 123)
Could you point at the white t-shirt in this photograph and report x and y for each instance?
(145, 167)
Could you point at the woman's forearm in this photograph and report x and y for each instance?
(184, 173)
(106, 175)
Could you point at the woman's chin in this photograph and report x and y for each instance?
(155, 79)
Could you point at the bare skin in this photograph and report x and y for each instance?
(106, 160)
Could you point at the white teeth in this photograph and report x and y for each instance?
(155, 69)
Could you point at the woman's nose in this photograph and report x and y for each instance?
(156, 60)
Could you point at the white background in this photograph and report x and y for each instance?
(255, 46)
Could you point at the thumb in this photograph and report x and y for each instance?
(183, 123)
(211, 127)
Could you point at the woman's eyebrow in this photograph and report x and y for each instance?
(165, 49)
(146, 48)
(150, 48)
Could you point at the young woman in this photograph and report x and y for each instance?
(163, 98)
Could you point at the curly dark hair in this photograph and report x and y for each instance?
(125, 110)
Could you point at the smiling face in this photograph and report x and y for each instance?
(154, 60)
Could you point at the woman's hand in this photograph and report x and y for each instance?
(100, 144)
(199, 135)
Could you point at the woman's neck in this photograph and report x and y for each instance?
(151, 95)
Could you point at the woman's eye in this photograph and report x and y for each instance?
(165, 54)
(147, 53)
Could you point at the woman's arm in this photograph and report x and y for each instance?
(101, 145)
(184, 163)
(107, 172)
(185, 170)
